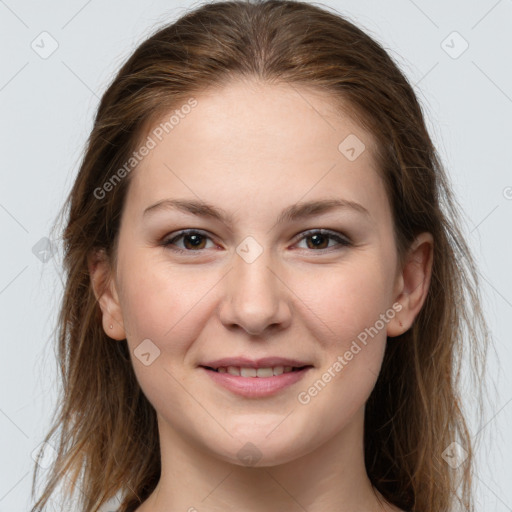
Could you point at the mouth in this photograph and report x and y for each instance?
(262, 372)
(256, 379)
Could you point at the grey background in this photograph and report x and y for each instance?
(47, 106)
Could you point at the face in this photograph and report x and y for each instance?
(316, 286)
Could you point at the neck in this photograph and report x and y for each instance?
(331, 477)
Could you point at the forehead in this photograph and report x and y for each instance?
(247, 138)
(248, 114)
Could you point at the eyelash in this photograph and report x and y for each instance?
(342, 241)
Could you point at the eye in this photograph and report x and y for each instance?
(320, 236)
(192, 237)
(194, 240)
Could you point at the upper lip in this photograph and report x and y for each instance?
(265, 362)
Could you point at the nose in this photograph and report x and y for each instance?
(255, 297)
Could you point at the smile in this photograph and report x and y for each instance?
(256, 372)
(256, 382)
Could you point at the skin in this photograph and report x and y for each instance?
(254, 149)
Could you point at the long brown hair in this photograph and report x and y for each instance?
(107, 432)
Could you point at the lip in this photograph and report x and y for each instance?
(264, 362)
(256, 387)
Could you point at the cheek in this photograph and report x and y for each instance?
(347, 311)
(167, 306)
(342, 303)
(164, 303)
(355, 306)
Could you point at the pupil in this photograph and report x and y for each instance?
(195, 240)
(316, 237)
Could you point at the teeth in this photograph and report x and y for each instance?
(253, 372)
(263, 372)
(248, 372)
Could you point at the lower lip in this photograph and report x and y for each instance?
(255, 387)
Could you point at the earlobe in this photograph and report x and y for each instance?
(105, 292)
(414, 283)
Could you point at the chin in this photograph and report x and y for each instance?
(261, 449)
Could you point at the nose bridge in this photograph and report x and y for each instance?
(255, 297)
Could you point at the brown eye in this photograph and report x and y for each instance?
(320, 239)
(193, 240)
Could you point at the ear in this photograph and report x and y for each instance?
(106, 294)
(413, 283)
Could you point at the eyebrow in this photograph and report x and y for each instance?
(292, 213)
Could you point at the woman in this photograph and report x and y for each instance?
(267, 284)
